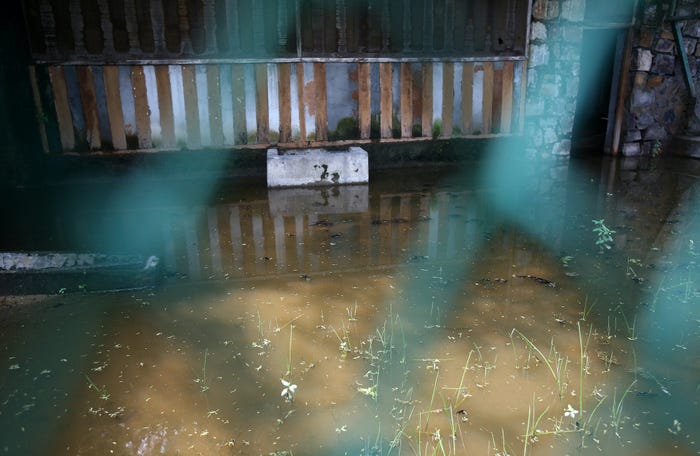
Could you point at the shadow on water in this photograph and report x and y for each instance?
(431, 312)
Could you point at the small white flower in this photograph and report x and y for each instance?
(289, 390)
(570, 411)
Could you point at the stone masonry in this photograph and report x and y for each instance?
(556, 33)
(659, 104)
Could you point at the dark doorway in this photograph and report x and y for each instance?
(605, 28)
(593, 106)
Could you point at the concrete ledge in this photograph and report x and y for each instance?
(24, 273)
(308, 167)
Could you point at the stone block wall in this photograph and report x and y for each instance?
(659, 103)
(556, 33)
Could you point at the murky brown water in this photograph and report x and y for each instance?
(427, 313)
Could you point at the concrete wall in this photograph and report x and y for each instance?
(556, 32)
(659, 103)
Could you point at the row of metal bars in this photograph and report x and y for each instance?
(90, 112)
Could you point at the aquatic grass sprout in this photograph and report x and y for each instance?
(605, 235)
(104, 394)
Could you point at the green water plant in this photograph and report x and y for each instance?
(289, 363)
(532, 425)
(557, 365)
(202, 381)
(103, 393)
(605, 235)
(616, 409)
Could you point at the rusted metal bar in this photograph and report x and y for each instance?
(507, 97)
(110, 75)
(214, 106)
(487, 106)
(363, 99)
(189, 87)
(64, 117)
(261, 104)
(406, 100)
(240, 130)
(39, 109)
(300, 102)
(448, 95)
(88, 100)
(467, 97)
(285, 101)
(523, 94)
(142, 111)
(165, 105)
(496, 105)
(427, 100)
(385, 99)
(321, 100)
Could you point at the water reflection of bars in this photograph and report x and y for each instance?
(258, 239)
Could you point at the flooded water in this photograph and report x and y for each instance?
(435, 311)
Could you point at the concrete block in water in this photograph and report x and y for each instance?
(306, 167)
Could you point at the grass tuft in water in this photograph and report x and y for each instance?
(102, 392)
(557, 367)
(202, 381)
